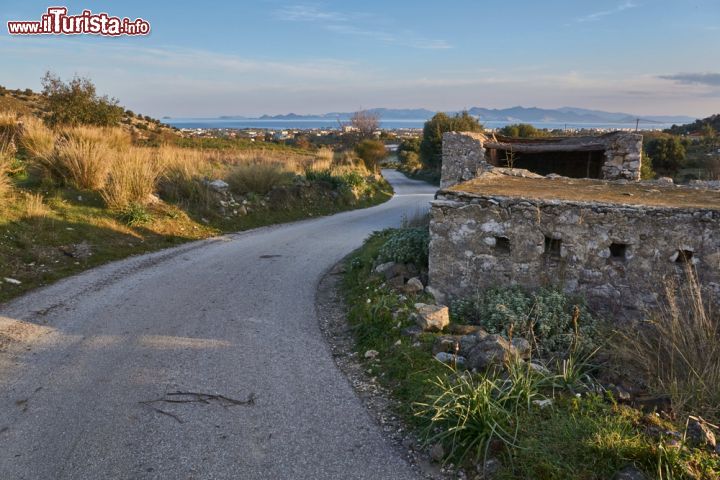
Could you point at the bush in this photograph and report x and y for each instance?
(521, 130)
(135, 214)
(131, 179)
(371, 152)
(431, 145)
(409, 245)
(554, 321)
(257, 178)
(77, 102)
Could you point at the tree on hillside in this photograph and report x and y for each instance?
(668, 155)
(365, 122)
(371, 152)
(431, 145)
(521, 130)
(76, 102)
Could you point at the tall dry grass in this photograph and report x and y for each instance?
(678, 349)
(258, 178)
(37, 142)
(132, 178)
(5, 167)
(83, 163)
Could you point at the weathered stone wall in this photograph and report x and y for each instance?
(463, 157)
(623, 156)
(482, 241)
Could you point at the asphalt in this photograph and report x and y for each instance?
(200, 362)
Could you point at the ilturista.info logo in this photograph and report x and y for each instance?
(56, 21)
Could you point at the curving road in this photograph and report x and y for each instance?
(200, 362)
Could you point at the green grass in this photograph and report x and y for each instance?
(492, 415)
(36, 248)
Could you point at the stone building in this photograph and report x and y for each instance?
(615, 242)
(615, 156)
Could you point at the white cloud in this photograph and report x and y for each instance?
(605, 13)
(356, 24)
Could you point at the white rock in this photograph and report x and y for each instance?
(371, 354)
(12, 281)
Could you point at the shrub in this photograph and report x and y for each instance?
(77, 102)
(131, 179)
(677, 350)
(371, 152)
(554, 321)
(257, 178)
(135, 214)
(431, 145)
(408, 245)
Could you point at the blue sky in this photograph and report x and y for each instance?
(275, 56)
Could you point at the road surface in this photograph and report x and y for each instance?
(200, 362)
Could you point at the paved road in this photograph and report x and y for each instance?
(92, 392)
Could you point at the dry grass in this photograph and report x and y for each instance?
(37, 141)
(83, 162)
(258, 178)
(35, 206)
(5, 164)
(132, 178)
(583, 190)
(678, 350)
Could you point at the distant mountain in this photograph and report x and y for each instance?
(514, 115)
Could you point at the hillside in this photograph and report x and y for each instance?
(24, 102)
(696, 126)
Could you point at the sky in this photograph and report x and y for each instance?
(210, 58)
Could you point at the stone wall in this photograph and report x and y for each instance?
(464, 154)
(463, 157)
(617, 256)
(623, 156)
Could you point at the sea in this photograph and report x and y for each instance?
(389, 124)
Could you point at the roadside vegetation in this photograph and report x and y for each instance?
(79, 186)
(531, 384)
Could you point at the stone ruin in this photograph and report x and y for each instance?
(613, 240)
(615, 156)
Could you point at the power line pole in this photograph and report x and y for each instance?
(637, 124)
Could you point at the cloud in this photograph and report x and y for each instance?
(711, 79)
(605, 13)
(353, 24)
(308, 13)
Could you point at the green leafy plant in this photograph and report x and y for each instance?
(410, 245)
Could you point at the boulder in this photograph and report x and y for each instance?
(699, 434)
(391, 270)
(494, 350)
(522, 346)
(630, 472)
(414, 285)
(432, 318)
(440, 298)
(451, 359)
(446, 343)
(396, 283)
(218, 185)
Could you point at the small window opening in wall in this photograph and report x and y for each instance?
(618, 251)
(502, 244)
(684, 256)
(552, 246)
